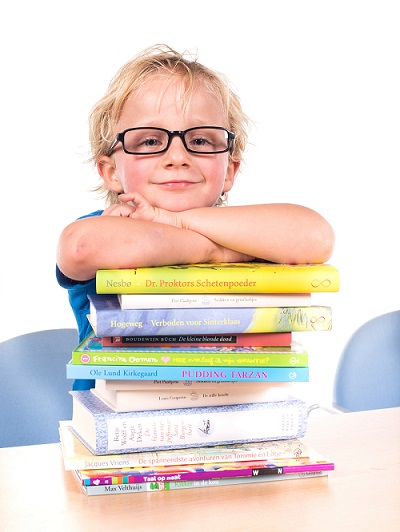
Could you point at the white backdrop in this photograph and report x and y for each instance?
(320, 79)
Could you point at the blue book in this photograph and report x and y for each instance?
(108, 319)
(104, 431)
(189, 373)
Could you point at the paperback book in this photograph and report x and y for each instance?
(189, 373)
(256, 468)
(76, 455)
(206, 340)
(91, 351)
(250, 277)
(221, 386)
(176, 485)
(158, 385)
(104, 431)
(137, 301)
(108, 319)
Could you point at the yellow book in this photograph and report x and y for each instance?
(243, 277)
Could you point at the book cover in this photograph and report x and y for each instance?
(129, 400)
(91, 351)
(207, 340)
(243, 277)
(96, 477)
(77, 456)
(143, 301)
(169, 486)
(188, 373)
(108, 319)
(108, 432)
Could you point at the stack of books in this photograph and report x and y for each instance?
(194, 366)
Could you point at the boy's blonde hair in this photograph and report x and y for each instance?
(161, 59)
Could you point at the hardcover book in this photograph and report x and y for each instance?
(108, 319)
(130, 400)
(206, 340)
(77, 456)
(243, 277)
(189, 373)
(137, 301)
(176, 485)
(91, 351)
(106, 432)
(255, 468)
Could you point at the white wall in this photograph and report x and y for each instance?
(319, 78)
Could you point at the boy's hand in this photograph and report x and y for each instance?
(142, 210)
(119, 209)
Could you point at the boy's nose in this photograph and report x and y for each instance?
(177, 150)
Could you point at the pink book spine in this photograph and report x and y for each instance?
(206, 475)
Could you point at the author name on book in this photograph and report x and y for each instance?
(176, 283)
(173, 323)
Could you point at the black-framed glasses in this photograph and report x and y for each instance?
(152, 140)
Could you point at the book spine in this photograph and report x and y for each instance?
(183, 358)
(201, 340)
(220, 278)
(188, 373)
(184, 427)
(126, 401)
(117, 322)
(151, 301)
(160, 385)
(169, 486)
(180, 476)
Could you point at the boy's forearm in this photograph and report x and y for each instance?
(278, 233)
(283, 233)
(105, 242)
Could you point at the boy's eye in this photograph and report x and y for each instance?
(200, 142)
(151, 142)
(142, 141)
(203, 142)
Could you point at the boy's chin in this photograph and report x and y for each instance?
(182, 204)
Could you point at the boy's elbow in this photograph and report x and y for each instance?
(316, 248)
(325, 244)
(73, 254)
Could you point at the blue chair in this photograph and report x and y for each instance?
(33, 386)
(368, 372)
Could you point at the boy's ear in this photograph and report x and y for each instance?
(232, 170)
(108, 172)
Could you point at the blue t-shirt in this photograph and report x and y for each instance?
(77, 294)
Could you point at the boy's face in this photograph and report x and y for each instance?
(175, 180)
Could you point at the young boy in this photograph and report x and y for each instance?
(168, 138)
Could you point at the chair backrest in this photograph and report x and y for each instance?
(368, 372)
(33, 386)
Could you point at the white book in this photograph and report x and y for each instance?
(146, 301)
(104, 431)
(155, 385)
(190, 396)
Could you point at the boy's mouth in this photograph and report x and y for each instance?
(177, 184)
